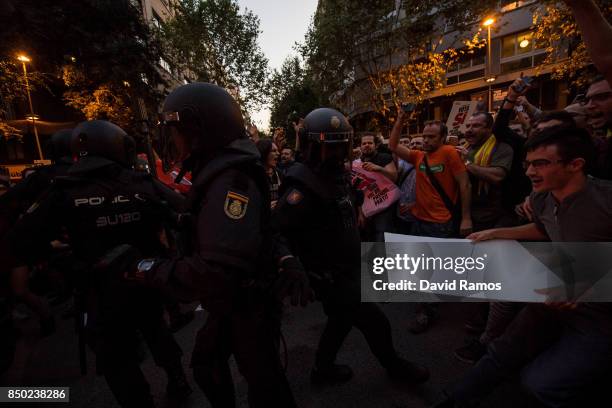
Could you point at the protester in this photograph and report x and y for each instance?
(279, 138)
(435, 202)
(558, 349)
(287, 160)
(488, 163)
(416, 143)
(253, 133)
(377, 162)
(441, 178)
(579, 113)
(269, 156)
(599, 106)
(597, 34)
(516, 186)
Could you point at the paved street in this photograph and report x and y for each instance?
(53, 361)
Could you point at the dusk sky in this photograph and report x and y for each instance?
(282, 24)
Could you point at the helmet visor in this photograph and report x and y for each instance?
(336, 147)
(170, 140)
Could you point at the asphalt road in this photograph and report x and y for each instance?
(52, 361)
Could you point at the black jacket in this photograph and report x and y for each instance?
(317, 213)
(517, 185)
(100, 205)
(232, 245)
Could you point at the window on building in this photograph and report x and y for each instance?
(517, 44)
(525, 43)
(469, 67)
(519, 51)
(508, 46)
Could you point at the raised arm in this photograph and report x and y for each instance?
(596, 32)
(401, 151)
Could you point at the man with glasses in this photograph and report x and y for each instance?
(558, 349)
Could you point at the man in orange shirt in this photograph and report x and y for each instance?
(440, 177)
(433, 211)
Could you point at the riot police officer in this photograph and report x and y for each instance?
(318, 215)
(14, 278)
(233, 256)
(18, 198)
(102, 203)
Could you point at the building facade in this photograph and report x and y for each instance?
(513, 52)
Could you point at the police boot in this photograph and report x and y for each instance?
(330, 374)
(404, 370)
(177, 387)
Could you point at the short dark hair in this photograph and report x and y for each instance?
(440, 124)
(597, 78)
(488, 118)
(572, 143)
(265, 147)
(366, 134)
(562, 116)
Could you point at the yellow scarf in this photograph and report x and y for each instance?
(483, 158)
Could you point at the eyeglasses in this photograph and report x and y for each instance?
(539, 163)
(600, 97)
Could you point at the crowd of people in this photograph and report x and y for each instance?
(264, 221)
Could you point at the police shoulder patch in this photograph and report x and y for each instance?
(294, 197)
(235, 205)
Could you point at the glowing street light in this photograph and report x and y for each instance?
(524, 43)
(490, 77)
(32, 116)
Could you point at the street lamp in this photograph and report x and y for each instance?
(33, 117)
(490, 77)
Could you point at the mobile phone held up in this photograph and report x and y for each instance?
(523, 85)
(408, 107)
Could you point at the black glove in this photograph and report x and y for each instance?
(293, 282)
(120, 263)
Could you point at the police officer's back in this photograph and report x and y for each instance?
(18, 198)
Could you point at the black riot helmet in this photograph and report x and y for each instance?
(59, 146)
(206, 117)
(326, 139)
(100, 138)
